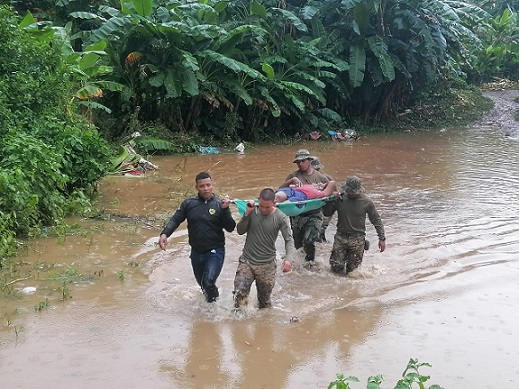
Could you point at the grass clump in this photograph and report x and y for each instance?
(411, 378)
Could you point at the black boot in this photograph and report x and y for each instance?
(211, 294)
(310, 252)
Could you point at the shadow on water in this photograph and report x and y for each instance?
(444, 291)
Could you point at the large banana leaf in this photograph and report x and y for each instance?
(379, 48)
(357, 65)
(290, 17)
(87, 16)
(238, 89)
(274, 107)
(89, 91)
(94, 105)
(150, 143)
(143, 7)
(303, 88)
(232, 64)
(257, 9)
(112, 26)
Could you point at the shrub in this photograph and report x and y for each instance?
(47, 152)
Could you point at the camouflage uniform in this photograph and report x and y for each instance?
(347, 253)
(352, 208)
(258, 259)
(306, 228)
(317, 165)
(246, 274)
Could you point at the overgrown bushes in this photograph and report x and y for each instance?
(47, 153)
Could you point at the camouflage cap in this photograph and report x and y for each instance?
(316, 163)
(353, 186)
(303, 154)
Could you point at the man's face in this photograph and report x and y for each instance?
(304, 165)
(205, 188)
(266, 207)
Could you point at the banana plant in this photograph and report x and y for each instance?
(84, 68)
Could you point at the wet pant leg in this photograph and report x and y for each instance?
(305, 229)
(310, 251)
(312, 226)
(206, 268)
(265, 282)
(338, 255)
(355, 255)
(347, 253)
(246, 274)
(242, 283)
(297, 232)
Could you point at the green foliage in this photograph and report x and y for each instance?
(247, 70)
(42, 305)
(410, 377)
(278, 68)
(7, 240)
(447, 105)
(342, 382)
(149, 145)
(498, 56)
(69, 275)
(47, 152)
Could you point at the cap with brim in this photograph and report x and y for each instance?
(353, 186)
(302, 155)
(316, 163)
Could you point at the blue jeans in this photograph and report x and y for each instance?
(207, 267)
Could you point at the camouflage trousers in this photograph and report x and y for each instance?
(246, 274)
(306, 229)
(347, 253)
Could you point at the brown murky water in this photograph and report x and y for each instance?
(445, 291)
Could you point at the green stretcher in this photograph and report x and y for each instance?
(290, 208)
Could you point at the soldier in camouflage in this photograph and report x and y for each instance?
(258, 260)
(317, 165)
(306, 227)
(352, 206)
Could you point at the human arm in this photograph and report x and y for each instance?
(376, 220)
(286, 232)
(382, 245)
(173, 223)
(291, 180)
(329, 208)
(228, 222)
(243, 225)
(330, 189)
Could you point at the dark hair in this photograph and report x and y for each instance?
(202, 176)
(267, 194)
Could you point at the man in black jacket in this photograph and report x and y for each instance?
(207, 217)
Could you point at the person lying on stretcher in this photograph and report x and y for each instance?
(294, 193)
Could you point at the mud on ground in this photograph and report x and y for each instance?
(503, 113)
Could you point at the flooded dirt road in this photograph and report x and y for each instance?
(445, 291)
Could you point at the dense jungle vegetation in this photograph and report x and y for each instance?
(77, 76)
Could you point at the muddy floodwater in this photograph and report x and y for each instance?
(445, 291)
